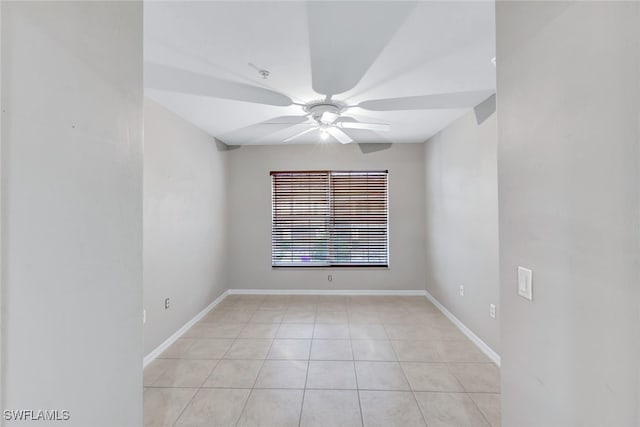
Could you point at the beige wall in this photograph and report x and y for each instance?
(184, 222)
(462, 223)
(569, 186)
(249, 212)
(72, 211)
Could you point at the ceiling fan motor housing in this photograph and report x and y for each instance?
(317, 109)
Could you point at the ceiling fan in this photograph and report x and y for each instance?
(377, 22)
(326, 118)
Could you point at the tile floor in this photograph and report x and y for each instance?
(329, 361)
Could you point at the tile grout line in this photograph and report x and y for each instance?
(185, 407)
(479, 410)
(468, 394)
(355, 374)
(244, 407)
(306, 378)
(413, 393)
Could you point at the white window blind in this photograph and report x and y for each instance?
(329, 218)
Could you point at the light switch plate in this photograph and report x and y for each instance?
(525, 283)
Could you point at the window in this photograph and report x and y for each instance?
(329, 218)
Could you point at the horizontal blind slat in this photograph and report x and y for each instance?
(329, 218)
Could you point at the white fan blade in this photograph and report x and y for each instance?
(299, 134)
(329, 117)
(381, 127)
(260, 130)
(172, 79)
(337, 30)
(342, 137)
(426, 102)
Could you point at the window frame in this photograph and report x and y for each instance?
(329, 265)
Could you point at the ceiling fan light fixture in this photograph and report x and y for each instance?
(324, 133)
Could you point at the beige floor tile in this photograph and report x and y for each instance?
(380, 376)
(296, 330)
(185, 373)
(412, 332)
(208, 348)
(234, 374)
(331, 350)
(477, 377)
(332, 317)
(214, 330)
(416, 351)
(213, 408)
(282, 306)
(274, 305)
(430, 377)
(331, 375)
(267, 316)
(331, 331)
(302, 303)
(460, 351)
(282, 374)
(368, 315)
(390, 409)
(450, 332)
(331, 408)
(415, 317)
(450, 410)
(489, 405)
(238, 305)
(260, 330)
(249, 349)
(299, 317)
(333, 308)
(290, 349)
(229, 316)
(162, 406)
(332, 304)
(380, 350)
(302, 306)
(361, 331)
(178, 348)
(364, 317)
(153, 371)
(400, 317)
(272, 408)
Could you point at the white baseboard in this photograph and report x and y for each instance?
(167, 343)
(495, 357)
(402, 292)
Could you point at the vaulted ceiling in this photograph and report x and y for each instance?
(416, 66)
